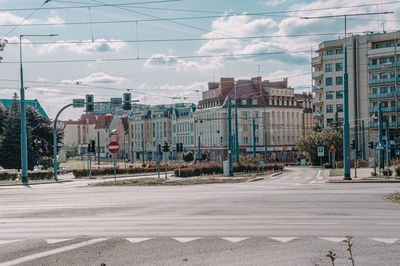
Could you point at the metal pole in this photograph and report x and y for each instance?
(179, 166)
(98, 147)
(254, 137)
(90, 165)
(230, 157)
(346, 126)
(265, 147)
(363, 141)
(143, 150)
(166, 163)
(24, 145)
(211, 143)
(55, 140)
(158, 159)
(388, 147)
(115, 167)
(236, 130)
(380, 125)
(374, 162)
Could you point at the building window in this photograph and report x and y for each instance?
(254, 101)
(383, 90)
(244, 102)
(339, 108)
(256, 139)
(256, 127)
(374, 90)
(382, 60)
(328, 68)
(329, 121)
(273, 114)
(245, 127)
(330, 52)
(328, 81)
(329, 95)
(339, 51)
(339, 66)
(244, 115)
(339, 95)
(392, 89)
(339, 80)
(256, 114)
(329, 108)
(246, 140)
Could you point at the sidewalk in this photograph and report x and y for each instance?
(363, 176)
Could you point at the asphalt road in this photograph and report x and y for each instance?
(289, 219)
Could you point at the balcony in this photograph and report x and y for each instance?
(384, 66)
(375, 124)
(318, 114)
(382, 51)
(382, 95)
(317, 74)
(316, 60)
(380, 81)
(317, 87)
(384, 109)
(318, 101)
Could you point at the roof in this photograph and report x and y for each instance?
(104, 121)
(34, 103)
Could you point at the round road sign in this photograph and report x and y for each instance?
(113, 147)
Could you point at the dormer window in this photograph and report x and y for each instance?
(254, 101)
(244, 102)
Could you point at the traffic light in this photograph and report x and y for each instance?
(179, 147)
(353, 144)
(159, 148)
(93, 146)
(166, 147)
(127, 101)
(89, 103)
(371, 144)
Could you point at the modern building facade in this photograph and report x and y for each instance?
(373, 80)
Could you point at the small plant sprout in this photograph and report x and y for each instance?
(349, 246)
(332, 256)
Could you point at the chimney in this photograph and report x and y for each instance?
(225, 86)
(257, 82)
(213, 85)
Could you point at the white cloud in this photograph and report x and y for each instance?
(273, 2)
(98, 77)
(10, 18)
(98, 46)
(166, 61)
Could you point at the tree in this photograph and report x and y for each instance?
(72, 151)
(325, 138)
(3, 43)
(39, 136)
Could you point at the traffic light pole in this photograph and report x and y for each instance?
(55, 140)
(230, 159)
(166, 163)
(363, 141)
(388, 147)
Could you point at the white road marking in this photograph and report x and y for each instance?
(385, 240)
(283, 239)
(51, 252)
(185, 239)
(319, 177)
(56, 240)
(8, 241)
(134, 240)
(306, 223)
(333, 239)
(234, 239)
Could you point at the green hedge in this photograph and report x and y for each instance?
(32, 175)
(110, 171)
(217, 168)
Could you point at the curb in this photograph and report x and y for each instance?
(276, 174)
(367, 181)
(256, 179)
(32, 184)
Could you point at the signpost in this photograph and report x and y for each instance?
(113, 147)
(379, 147)
(321, 154)
(332, 149)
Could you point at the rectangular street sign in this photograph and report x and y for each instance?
(320, 151)
(78, 103)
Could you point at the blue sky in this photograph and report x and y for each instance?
(165, 67)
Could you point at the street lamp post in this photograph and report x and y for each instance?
(24, 144)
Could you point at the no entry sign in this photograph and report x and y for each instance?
(113, 147)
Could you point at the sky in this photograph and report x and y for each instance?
(166, 51)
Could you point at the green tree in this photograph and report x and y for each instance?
(324, 138)
(72, 151)
(3, 43)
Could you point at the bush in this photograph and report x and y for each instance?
(38, 175)
(4, 175)
(110, 171)
(363, 164)
(385, 172)
(397, 169)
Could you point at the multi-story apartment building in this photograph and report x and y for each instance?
(372, 70)
(183, 127)
(263, 107)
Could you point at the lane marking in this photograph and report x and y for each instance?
(319, 177)
(385, 240)
(56, 240)
(8, 241)
(51, 252)
(234, 239)
(306, 223)
(185, 239)
(283, 239)
(134, 240)
(333, 239)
